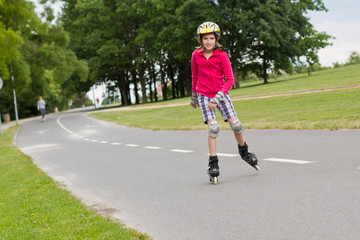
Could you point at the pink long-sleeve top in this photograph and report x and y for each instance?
(208, 74)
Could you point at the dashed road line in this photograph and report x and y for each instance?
(227, 155)
(181, 151)
(293, 161)
(131, 145)
(152, 147)
(287, 160)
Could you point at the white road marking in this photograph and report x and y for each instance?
(152, 147)
(227, 155)
(40, 147)
(287, 160)
(42, 131)
(181, 151)
(294, 161)
(131, 145)
(60, 124)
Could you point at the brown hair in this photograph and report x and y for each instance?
(217, 44)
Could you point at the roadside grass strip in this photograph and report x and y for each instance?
(34, 206)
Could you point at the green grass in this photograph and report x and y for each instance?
(33, 206)
(323, 110)
(330, 78)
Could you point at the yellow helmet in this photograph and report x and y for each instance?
(208, 27)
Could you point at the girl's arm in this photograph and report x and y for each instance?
(194, 71)
(226, 67)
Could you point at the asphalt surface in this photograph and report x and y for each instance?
(156, 181)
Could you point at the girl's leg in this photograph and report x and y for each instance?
(212, 142)
(239, 137)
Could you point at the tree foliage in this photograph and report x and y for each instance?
(36, 55)
(143, 47)
(146, 44)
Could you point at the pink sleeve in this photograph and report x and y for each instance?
(194, 70)
(229, 76)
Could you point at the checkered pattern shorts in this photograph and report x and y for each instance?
(225, 108)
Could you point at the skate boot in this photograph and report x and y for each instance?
(248, 157)
(213, 169)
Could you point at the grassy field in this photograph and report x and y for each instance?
(330, 78)
(336, 109)
(33, 206)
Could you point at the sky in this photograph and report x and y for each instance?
(342, 21)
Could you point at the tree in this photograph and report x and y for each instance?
(231, 19)
(140, 44)
(279, 33)
(38, 58)
(354, 58)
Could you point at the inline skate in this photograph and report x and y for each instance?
(248, 157)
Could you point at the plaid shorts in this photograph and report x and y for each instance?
(225, 108)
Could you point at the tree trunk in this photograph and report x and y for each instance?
(121, 83)
(153, 76)
(264, 68)
(127, 85)
(142, 83)
(136, 93)
(171, 76)
(235, 66)
(163, 83)
(181, 82)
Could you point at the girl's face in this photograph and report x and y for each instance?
(208, 41)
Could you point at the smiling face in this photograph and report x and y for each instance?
(208, 41)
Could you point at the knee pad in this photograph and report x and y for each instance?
(214, 129)
(236, 126)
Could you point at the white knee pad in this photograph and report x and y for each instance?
(214, 129)
(236, 126)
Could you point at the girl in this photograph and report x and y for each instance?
(209, 65)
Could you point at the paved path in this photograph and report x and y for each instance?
(155, 181)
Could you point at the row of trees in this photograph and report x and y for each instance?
(137, 45)
(36, 55)
(141, 43)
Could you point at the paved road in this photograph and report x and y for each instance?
(155, 181)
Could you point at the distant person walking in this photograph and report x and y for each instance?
(41, 108)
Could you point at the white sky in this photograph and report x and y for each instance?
(343, 22)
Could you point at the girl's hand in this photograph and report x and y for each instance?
(194, 101)
(194, 106)
(212, 106)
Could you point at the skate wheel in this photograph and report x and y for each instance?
(257, 167)
(215, 180)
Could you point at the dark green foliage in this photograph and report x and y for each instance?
(38, 59)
